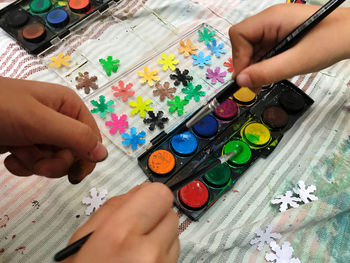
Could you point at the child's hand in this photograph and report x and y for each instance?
(139, 226)
(48, 130)
(326, 44)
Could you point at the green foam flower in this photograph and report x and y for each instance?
(177, 104)
(193, 92)
(206, 36)
(109, 65)
(103, 106)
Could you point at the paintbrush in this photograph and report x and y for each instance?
(286, 43)
(75, 247)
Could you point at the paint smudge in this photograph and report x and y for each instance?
(21, 249)
(2, 250)
(3, 221)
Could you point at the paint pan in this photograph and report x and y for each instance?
(245, 97)
(34, 24)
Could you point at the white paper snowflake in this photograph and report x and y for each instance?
(286, 200)
(305, 193)
(265, 237)
(283, 254)
(95, 201)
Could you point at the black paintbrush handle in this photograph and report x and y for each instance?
(291, 39)
(71, 249)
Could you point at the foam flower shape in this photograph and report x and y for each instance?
(148, 76)
(263, 237)
(286, 200)
(177, 104)
(168, 62)
(123, 91)
(229, 64)
(181, 77)
(134, 139)
(206, 36)
(155, 120)
(193, 92)
(164, 91)
(97, 199)
(283, 254)
(217, 50)
(201, 60)
(103, 106)
(215, 75)
(187, 48)
(140, 106)
(59, 61)
(86, 82)
(109, 65)
(305, 193)
(117, 124)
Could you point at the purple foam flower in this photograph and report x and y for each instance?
(215, 75)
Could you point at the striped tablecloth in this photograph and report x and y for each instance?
(38, 215)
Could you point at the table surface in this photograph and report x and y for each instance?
(38, 215)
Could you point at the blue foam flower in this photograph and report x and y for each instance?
(133, 138)
(216, 49)
(201, 60)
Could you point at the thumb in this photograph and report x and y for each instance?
(54, 128)
(283, 66)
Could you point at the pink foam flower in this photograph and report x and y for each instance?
(117, 124)
(123, 91)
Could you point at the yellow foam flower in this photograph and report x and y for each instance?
(168, 62)
(140, 106)
(148, 76)
(59, 61)
(187, 49)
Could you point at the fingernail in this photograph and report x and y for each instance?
(99, 154)
(244, 80)
(75, 173)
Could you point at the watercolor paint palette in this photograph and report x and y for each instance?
(37, 24)
(253, 134)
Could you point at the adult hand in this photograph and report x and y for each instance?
(324, 45)
(48, 130)
(139, 226)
